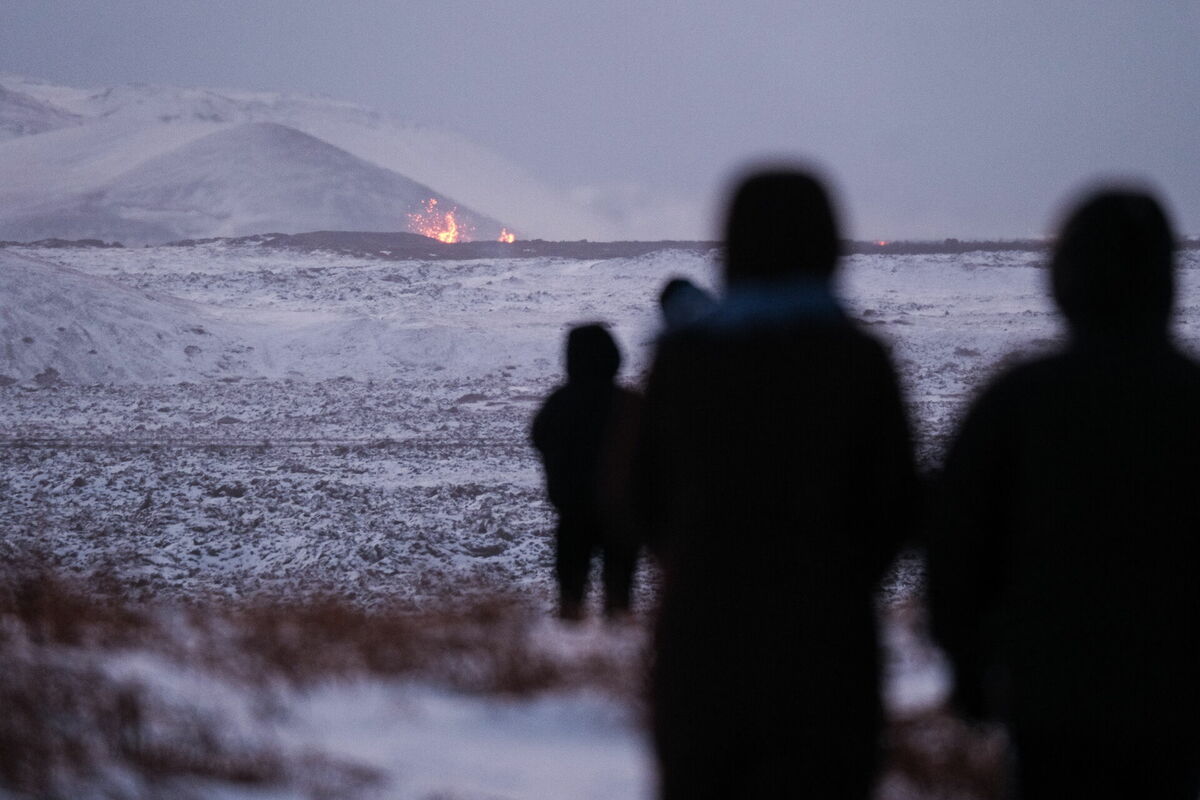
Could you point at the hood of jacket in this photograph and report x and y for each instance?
(592, 355)
(1112, 269)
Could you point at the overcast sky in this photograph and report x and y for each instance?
(933, 117)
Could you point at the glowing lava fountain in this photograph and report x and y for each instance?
(437, 224)
(506, 237)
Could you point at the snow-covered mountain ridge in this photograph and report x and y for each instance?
(23, 115)
(148, 164)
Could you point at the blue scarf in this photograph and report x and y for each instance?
(761, 304)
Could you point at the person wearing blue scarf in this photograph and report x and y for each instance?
(775, 481)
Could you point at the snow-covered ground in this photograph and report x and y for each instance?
(232, 420)
(188, 422)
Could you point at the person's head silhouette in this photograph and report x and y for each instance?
(683, 303)
(1112, 266)
(592, 355)
(781, 226)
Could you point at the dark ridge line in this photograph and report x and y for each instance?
(56, 244)
(404, 246)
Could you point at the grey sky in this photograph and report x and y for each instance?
(934, 117)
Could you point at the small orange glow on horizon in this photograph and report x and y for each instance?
(506, 237)
(881, 243)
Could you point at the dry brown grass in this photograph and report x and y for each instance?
(483, 647)
(70, 727)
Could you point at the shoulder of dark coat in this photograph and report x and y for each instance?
(628, 394)
(545, 414)
(877, 347)
(1020, 383)
(553, 399)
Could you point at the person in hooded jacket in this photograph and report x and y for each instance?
(1064, 567)
(776, 481)
(576, 434)
(683, 303)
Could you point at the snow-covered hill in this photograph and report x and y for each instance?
(66, 171)
(23, 115)
(61, 325)
(248, 178)
(216, 311)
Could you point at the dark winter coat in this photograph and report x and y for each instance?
(1065, 563)
(776, 478)
(574, 429)
(1066, 572)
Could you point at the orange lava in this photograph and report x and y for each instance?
(506, 237)
(437, 224)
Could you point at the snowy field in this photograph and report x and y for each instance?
(237, 420)
(183, 423)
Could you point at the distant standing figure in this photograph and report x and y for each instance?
(576, 433)
(684, 303)
(775, 477)
(1064, 571)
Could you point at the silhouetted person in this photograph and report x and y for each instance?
(684, 303)
(1065, 567)
(776, 477)
(575, 433)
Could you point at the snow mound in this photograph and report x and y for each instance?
(60, 325)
